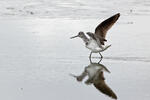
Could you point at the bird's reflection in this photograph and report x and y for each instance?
(95, 73)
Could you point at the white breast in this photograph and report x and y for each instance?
(92, 70)
(93, 46)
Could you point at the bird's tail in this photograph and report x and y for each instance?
(106, 47)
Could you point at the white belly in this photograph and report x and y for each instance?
(93, 68)
(93, 46)
(92, 71)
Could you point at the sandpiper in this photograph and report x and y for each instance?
(96, 77)
(96, 41)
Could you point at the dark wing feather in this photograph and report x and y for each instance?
(102, 86)
(91, 35)
(103, 27)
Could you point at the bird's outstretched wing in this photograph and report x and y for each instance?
(100, 84)
(103, 27)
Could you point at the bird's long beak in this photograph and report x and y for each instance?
(73, 75)
(74, 37)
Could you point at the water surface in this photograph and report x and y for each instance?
(36, 57)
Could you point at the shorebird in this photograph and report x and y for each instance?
(94, 71)
(97, 40)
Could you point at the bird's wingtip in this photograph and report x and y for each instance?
(114, 97)
(118, 14)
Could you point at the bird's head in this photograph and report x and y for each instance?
(80, 34)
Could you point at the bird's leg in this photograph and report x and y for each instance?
(90, 57)
(101, 57)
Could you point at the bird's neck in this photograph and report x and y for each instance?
(85, 39)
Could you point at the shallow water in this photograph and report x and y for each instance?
(37, 56)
